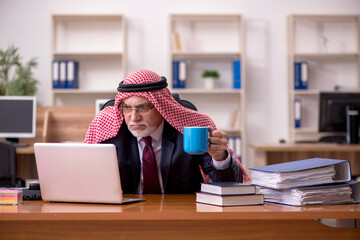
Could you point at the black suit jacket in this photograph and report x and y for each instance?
(180, 171)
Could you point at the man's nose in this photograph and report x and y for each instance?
(135, 115)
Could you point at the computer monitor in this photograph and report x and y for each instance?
(17, 117)
(336, 118)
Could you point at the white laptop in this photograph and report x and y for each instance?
(77, 172)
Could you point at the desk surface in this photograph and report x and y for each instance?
(25, 150)
(170, 207)
(166, 217)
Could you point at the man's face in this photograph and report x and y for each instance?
(144, 120)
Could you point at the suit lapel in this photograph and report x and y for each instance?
(167, 149)
(134, 158)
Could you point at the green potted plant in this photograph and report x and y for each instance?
(210, 77)
(16, 79)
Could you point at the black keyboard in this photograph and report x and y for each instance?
(306, 141)
(29, 194)
(333, 139)
(33, 192)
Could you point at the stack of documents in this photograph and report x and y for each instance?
(310, 181)
(330, 194)
(302, 173)
(281, 180)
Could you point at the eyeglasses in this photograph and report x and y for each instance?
(140, 109)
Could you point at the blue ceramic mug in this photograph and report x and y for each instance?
(196, 140)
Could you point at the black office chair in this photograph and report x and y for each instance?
(183, 102)
(176, 96)
(8, 166)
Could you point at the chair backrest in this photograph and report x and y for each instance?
(183, 102)
(8, 161)
(176, 96)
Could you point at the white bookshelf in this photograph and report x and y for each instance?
(98, 43)
(330, 45)
(211, 42)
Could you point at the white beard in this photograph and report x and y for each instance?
(143, 133)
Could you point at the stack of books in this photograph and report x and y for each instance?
(307, 182)
(229, 194)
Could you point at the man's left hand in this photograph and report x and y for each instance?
(218, 145)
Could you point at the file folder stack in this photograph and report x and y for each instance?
(65, 74)
(307, 182)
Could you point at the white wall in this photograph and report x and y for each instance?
(26, 24)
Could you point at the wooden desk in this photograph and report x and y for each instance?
(266, 154)
(173, 217)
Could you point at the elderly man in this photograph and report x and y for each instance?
(150, 141)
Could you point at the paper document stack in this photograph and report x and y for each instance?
(281, 180)
(305, 182)
(331, 194)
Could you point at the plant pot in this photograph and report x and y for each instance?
(210, 82)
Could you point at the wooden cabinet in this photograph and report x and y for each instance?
(329, 45)
(211, 42)
(98, 44)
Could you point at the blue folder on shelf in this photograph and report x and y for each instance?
(301, 75)
(237, 74)
(72, 74)
(56, 74)
(182, 74)
(63, 74)
(175, 74)
(179, 74)
(301, 173)
(297, 112)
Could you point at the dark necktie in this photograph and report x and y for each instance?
(150, 175)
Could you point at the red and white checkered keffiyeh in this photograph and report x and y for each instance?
(107, 122)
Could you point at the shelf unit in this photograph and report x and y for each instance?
(98, 43)
(330, 46)
(211, 42)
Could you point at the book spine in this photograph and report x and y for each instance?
(63, 75)
(238, 147)
(234, 119)
(72, 74)
(234, 143)
(231, 143)
(176, 42)
(297, 112)
(182, 74)
(301, 75)
(175, 74)
(297, 75)
(304, 75)
(56, 74)
(237, 74)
